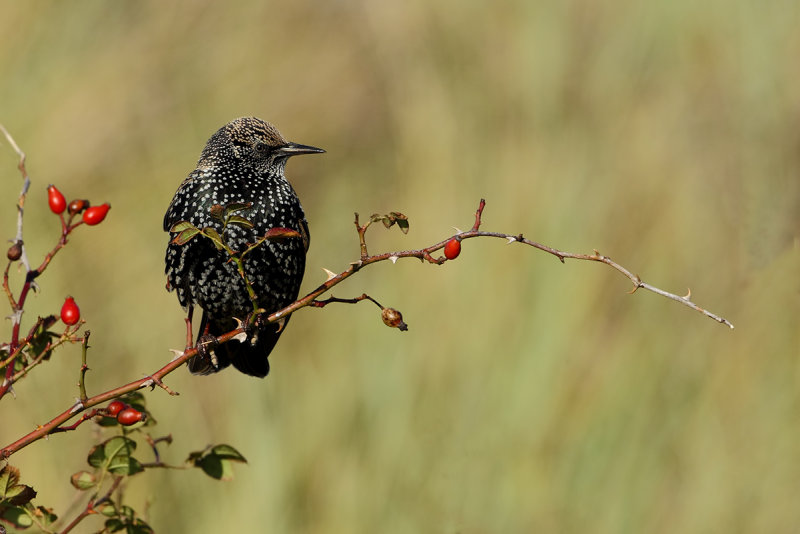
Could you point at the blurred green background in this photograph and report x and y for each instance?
(528, 396)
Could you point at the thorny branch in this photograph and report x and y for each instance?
(310, 299)
(18, 305)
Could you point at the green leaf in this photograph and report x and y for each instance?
(185, 236)
(41, 337)
(216, 467)
(217, 212)
(227, 452)
(9, 477)
(83, 480)
(392, 218)
(124, 519)
(214, 236)
(180, 226)
(216, 461)
(45, 515)
(233, 207)
(17, 516)
(241, 221)
(136, 400)
(114, 525)
(114, 455)
(125, 465)
(11, 491)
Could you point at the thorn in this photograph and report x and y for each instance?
(511, 239)
(281, 324)
(78, 406)
(176, 354)
(393, 259)
(330, 274)
(458, 230)
(688, 293)
(239, 323)
(356, 264)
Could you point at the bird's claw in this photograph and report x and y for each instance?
(205, 350)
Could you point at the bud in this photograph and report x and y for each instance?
(15, 251)
(77, 206)
(393, 319)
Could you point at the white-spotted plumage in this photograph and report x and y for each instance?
(243, 162)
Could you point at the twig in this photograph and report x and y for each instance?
(83, 418)
(311, 298)
(323, 303)
(84, 367)
(92, 504)
(26, 183)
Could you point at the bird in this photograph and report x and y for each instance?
(240, 171)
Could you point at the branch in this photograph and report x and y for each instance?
(92, 504)
(310, 299)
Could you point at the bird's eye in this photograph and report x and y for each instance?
(262, 148)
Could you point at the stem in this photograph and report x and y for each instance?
(90, 506)
(84, 367)
(310, 298)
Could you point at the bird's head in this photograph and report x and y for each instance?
(254, 143)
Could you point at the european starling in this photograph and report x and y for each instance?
(241, 168)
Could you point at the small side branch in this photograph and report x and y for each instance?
(84, 366)
(323, 303)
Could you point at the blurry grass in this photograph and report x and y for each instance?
(527, 395)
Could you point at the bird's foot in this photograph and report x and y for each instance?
(251, 326)
(205, 351)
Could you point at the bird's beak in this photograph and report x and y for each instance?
(295, 149)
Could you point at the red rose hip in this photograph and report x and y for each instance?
(70, 313)
(114, 407)
(56, 200)
(129, 416)
(452, 249)
(96, 214)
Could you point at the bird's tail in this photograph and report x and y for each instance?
(249, 356)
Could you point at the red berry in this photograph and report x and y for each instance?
(70, 313)
(77, 206)
(452, 249)
(129, 416)
(56, 200)
(96, 214)
(114, 407)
